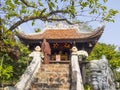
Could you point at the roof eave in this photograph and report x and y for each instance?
(95, 35)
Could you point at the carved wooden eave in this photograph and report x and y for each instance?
(62, 35)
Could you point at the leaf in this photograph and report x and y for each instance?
(104, 8)
(40, 3)
(84, 4)
(12, 14)
(6, 72)
(37, 30)
(22, 11)
(32, 4)
(113, 12)
(51, 5)
(8, 2)
(17, 2)
(33, 22)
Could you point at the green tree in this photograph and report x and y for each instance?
(109, 51)
(11, 70)
(17, 12)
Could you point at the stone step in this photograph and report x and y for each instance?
(46, 86)
(52, 77)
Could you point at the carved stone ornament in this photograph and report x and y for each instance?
(101, 76)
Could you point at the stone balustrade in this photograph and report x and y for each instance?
(77, 83)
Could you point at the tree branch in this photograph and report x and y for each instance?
(42, 12)
(44, 18)
(55, 12)
(22, 21)
(27, 4)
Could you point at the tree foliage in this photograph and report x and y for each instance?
(17, 12)
(109, 51)
(11, 70)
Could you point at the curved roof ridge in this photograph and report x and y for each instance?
(62, 34)
(98, 31)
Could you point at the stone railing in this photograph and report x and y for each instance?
(77, 83)
(29, 75)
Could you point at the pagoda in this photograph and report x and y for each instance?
(61, 39)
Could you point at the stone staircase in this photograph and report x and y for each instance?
(52, 77)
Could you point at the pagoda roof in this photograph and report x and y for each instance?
(62, 34)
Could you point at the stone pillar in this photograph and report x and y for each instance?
(77, 83)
